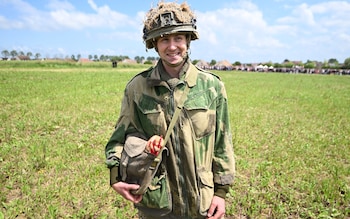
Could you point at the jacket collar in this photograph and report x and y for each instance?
(189, 74)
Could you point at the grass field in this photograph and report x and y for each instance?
(291, 134)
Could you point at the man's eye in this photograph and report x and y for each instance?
(178, 38)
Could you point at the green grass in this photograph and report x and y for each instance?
(291, 136)
(292, 145)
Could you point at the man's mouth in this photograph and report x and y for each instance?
(173, 54)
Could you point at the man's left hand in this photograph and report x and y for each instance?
(217, 208)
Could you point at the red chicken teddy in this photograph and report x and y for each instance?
(154, 145)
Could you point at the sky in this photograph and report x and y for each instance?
(248, 31)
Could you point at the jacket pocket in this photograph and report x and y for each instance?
(206, 191)
(151, 115)
(203, 119)
(157, 200)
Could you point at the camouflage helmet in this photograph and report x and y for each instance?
(168, 18)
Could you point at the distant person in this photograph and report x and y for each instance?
(198, 160)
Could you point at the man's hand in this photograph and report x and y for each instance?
(217, 208)
(124, 189)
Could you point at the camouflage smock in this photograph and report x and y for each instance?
(200, 146)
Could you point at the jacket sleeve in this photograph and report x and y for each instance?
(116, 142)
(224, 162)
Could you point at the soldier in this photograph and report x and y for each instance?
(199, 159)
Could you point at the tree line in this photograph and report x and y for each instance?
(139, 59)
(13, 53)
(331, 63)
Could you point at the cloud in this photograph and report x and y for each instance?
(25, 9)
(323, 23)
(240, 30)
(7, 24)
(60, 5)
(237, 30)
(325, 14)
(333, 15)
(62, 15)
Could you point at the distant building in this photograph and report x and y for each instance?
(84, 60)
(203, 64)
(22, 58)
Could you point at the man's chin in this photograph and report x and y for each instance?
(174, 62)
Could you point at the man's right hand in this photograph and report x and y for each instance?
(124, 189)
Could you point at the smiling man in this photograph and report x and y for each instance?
(197, 165)
(172, 50)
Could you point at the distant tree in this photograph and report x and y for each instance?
(73, 57)
(288, 64)
(333, 63)
(95, 57)
(13, 53)
(309, 64)
(21, 53)
(347, 63)
(195, 61)
(333, 60)
(116, 58)
(5, 53)
(325, 64)
(149, 58)
(102, 57)
(90, 57)
(237, 63)
(29, 54)
(138, 59)
(269, 64)
(212, 62)
(37, 55)
(78, 57)
(277, 65)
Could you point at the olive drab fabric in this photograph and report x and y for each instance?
(134, 161)
(200, 150)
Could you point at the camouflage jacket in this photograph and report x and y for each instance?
(200, 146)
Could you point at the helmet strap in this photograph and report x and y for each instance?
(188, 39)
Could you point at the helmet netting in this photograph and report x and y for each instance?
(182, 13)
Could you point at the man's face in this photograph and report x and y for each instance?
(172, 49)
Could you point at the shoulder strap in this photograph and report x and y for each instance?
(172, 124)
(176, 114)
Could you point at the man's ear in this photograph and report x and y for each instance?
(154, 42)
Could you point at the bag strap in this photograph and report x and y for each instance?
(150, 173)
(173, 121)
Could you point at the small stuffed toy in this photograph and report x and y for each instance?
(154, 145)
